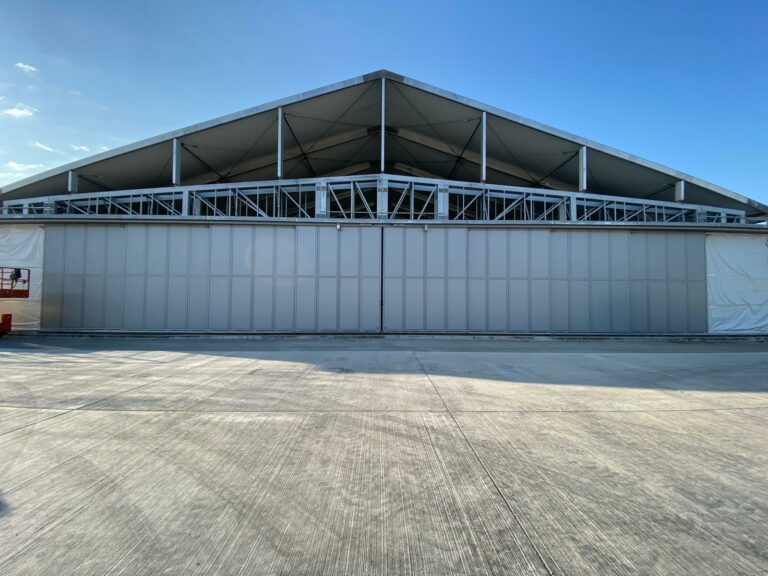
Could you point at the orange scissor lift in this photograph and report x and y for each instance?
(14, 283)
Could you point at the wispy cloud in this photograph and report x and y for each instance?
(19, 111)
(104, 148)
(80, 148)
(26, 68)
(21, 167)
(43, 147)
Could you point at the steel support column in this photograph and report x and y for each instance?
(680, 191)
(442, 203)
(582, 169)
(382, 199)
(280, 143)
(176, 163)
(485, 153)
(72, 182)
(321, 199)
(383, 120)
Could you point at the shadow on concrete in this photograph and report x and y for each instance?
(732, 366)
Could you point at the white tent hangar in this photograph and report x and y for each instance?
(382, 204)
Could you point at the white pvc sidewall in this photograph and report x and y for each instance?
(21, 246)
(737, 282)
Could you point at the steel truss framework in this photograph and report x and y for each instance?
(378, 197)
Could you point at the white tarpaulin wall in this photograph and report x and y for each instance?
(22, 247)
(737, 282)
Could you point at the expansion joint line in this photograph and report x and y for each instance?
(485, 469)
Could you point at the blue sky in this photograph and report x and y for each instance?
(683, 83)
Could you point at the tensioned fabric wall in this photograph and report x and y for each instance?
(320, 278)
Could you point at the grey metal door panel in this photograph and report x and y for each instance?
(435, 303)
(540, 306)
(477, 251)
(600, 310)
(436, 249)
(558, 254)
(497, 304)
(349, 304)
(96, 250)
(53, 297)
(178, 288)
(219, 303)
(285, 305)
(638, 306)
(157, 255)
(560, 305)
(414, 252)
(136, 250)
(638, 265)
(134, 302)
(393, 251)
(519, 253)
(199, 300)
(498, 245)
(696, 298)
(306, 251)
(320, 277)
(54, 255)
(476, 304)
(657, 256)
(349, 263)
(695, 257)
(114, 303)
(620, 306)
(263, 250)
(242, 250)
(677, 307)
(393, 304)
(580, 306)
(519, 305)
(74, 263)
(263, 302)
(456, 295)
(370, 304)
(619, 258)
(72, 302)
(599, 255)
(240, 303)
(328, 297)
(657, 306)
(155, 312)
(676, 257)
(221, 248)
(457, 252)
(306, 303)
(93, 311)
(414, 304)
(116, 254)
(579, 254)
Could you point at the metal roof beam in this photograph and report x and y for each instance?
(475, 158)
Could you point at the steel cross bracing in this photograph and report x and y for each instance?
(371, 197)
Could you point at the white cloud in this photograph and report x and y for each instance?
(80, 148)
(21, 167)
(43, 147)
(104, 148)
(20, 111)
(26, 68)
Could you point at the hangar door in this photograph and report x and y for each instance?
(257, 278)
(324, 278)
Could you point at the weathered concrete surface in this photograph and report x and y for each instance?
(382, 456)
